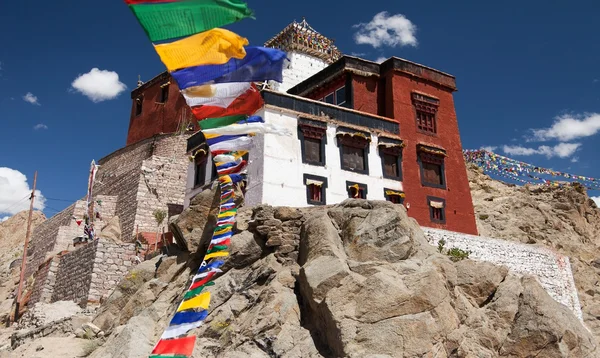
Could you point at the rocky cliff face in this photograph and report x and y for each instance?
(564, 219)
(353, 280)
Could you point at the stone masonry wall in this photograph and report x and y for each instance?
(552, 270)
(44, 238)
(162, 181)
(75, 275)
(111, 264)
(38, 286)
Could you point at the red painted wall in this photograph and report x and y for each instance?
(157, 117)
(366, 94)
(322, 91)
(460, 215)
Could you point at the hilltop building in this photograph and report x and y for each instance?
(358, 129)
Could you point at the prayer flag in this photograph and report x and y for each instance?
(188, 317)
(183, 346)
(179, 330)
(196, 292)
(216, 254)
(221, 138)
(168, 20)
(225, 94)
(260, 64)
(212, 47)
(248, 103)
(220, 121)
(200, 301)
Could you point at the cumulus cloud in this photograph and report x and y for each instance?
(568, 127)
(380, 59)
(597, 200)
(561, 150)
(31, 98)
(385, 30)
(40, 126)
(99, 85)
(489, 148)
(14, 191)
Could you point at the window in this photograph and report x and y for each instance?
(164, 93)
(437, 209)
(354, 151)
(431, 161)
(138, 105)
(426, 109)
(330, 98)
(340, 96)
(356, 190)
(312, 138)
(395, 196)
(315, 189)
(200, 162)
(390, 151)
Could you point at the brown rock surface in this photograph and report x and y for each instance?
(564, 219)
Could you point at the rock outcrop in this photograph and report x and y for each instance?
(353, 280)
(564, 219)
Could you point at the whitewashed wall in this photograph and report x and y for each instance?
(299, 68)
(278, 166)
(190, 190)
(552, 270)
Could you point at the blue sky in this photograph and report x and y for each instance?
(527, 72)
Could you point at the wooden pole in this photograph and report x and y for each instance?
(24, 260)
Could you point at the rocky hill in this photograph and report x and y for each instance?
(564, 219)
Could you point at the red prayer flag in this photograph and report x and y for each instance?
(248, 103)
(203, 281)
(182, 346)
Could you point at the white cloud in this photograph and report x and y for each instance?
(357, 54)
(380, 59)
(386, 30)
(40, 126)
(561, 150)
(13, 189)
(568, 127)
(574, 159)
(489, 148)
(4, 219)
(31, 98)
(597, 200)
(99, 85)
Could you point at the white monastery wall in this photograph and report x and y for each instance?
(552, 270)
(299, 67)
(278, 166)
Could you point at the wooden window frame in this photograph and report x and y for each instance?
(388, 197)
(363, 187)
(441, 161)
(313, 130)
(428, 106)
(358, 143)
(431, 210)
(336, 100)
(395, 151)
(323, 189)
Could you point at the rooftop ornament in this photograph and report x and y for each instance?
(302, 37)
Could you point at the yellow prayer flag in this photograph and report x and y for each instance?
(214, 47)
(216, 254)
(200, 301)
(222, 231)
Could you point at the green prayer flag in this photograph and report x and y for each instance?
(211, 123)
(163, 21)
(219, 228)
(195, 292)
(217, 248)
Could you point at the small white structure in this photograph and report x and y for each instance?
(308, 53)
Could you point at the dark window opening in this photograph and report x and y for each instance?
(200, 175)
(330, 98)
(426, 122)
(315, 189)
(164, 93)
(432, 170)
(391, 166)
(426, 109)
(138, 105)
(437, 209)
(312, 138)
(340, 96)
(357, 191)
(354, 152)
(396, 197)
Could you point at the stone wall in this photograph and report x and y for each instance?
(552, 270)
(111, 264)
(38, 286)
(44, 238)
(75, 274)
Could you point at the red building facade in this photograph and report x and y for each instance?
(421, 100)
